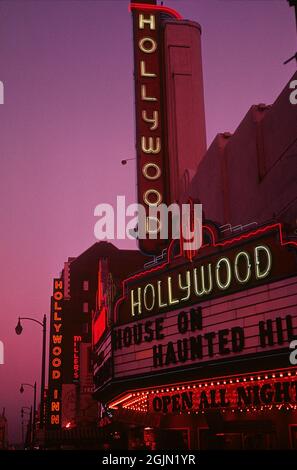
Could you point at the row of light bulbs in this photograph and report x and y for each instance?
(214, 383)
(282, 407)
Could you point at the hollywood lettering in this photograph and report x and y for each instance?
(192, 347)
(201, 280)
(221, 267)
(76, 357)
(149, 120)
(56, 352)
(233, 396)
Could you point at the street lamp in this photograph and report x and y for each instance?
(124, 162)
(26, 410)
(34, 407)
(18, 330)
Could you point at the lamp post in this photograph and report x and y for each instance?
(34, 407)
(18, 330)
(29, 412)
(124, 162)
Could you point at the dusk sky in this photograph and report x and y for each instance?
(68, 121)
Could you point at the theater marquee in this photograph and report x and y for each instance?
(245, 395)
(221, 268)
(237, 298)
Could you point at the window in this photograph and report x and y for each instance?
(85, 307)
(90, 362)
(85, 285)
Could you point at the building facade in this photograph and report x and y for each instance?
(72, 413)
(198, 355)
(200, 350)
(250, 177)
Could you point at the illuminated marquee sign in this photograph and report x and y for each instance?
(76, 358)
(255, 394)
(220, 268)
(152, 164)
(238, 298)
(55, 363)
(241, 325)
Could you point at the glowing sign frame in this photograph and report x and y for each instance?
(209, 231)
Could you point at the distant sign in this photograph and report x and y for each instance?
(55, 356)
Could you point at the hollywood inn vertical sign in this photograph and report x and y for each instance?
(55, 356)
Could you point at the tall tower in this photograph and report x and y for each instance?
(185, 116)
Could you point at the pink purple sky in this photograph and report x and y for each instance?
(68, 121)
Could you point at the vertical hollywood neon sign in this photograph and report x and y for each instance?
(152, 162)
(55, 356)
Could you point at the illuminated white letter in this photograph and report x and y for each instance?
(145, 293)
(144, 96)
(152, 146)
(136, 303)
(261, 273)
(171, 300)
(154, 120)
(143, 72)
(147, 45)
(187, 287)
(150, 21)
(227, 283)
(203, 290)
(245, 255)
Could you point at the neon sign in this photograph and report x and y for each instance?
(152, 165)
(76, 358)
(257, 392)
(221, 267)
(55, 364)
(242, 396)
(201, 280)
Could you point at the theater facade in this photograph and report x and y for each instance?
(198, 355)
(195, 351)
